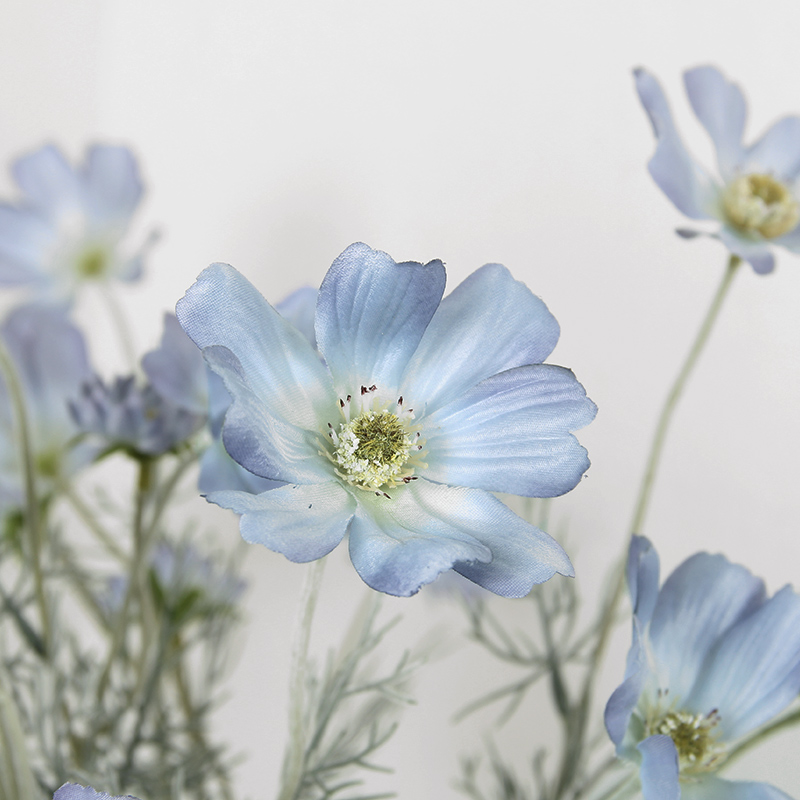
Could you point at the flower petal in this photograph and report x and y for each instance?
(398, 545)
(720, 106)
(642, 575)
(489, 323)
(754, 672)
(659, 769)
(713, 788)
(298, 308)
(24, 236)
(72, 791)
(687, 184)
(756, 253)
(261, 442)
(177, 369)
(48, 181)
(219, 471)
(223, 308)
(113, 186)
(372, 313)
(511, 433)
(623, 700)
(301, 522)
(777, 152)
(702, 599)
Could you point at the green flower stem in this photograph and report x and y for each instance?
(123, 329)
(32, 515)
(675, 393)
(91, 522)
(295, 756)
(137, 571)
(609, 608)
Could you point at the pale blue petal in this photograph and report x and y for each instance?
(371, 314)
(625, 697)
(113, 187)
(177, 370)
(401, 543)
(511, 433)
(777, 152)
(659, 769)
(487, 324)
(264, 444)
(301, 522)
(712, 788)
(687, 184)
(754, 672)
(219, 471)
(24, 238)
(72, 791)
(299, 308)
(53, 363)
(642, 573)
(702, 599)
(791, 240)
(720, 106)
(224, 308)
(756, 253)
(48, 181)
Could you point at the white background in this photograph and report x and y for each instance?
(272, 135)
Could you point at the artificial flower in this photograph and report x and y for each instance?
(127, 416)
(418, 409)
(756, 196)
(49, 357)
(70, 222)
(712, 660)
(73, 791)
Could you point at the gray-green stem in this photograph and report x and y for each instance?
(295, 757)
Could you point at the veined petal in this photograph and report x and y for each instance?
(298, 308)
(702, 599)
(224, 308)
(677, 174)
(73, 791)
(712, 788)
(177, 369)
(754, 672)
(720, 106)
(371, 314)
(659, 769)
(757, 254)
(620, 705)
(489, 323)
(113, 186)
(48, 181)
(511, 433)
(263, 443)
(219, 471)
(642, 574)
(398, 545)
(777, 152)
(301, 522)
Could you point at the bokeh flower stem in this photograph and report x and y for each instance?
(32, 515)
(295, 757)
(675, 393)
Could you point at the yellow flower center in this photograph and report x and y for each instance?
(695, 739)
(92, 263)
(376, 447)
(758, 203)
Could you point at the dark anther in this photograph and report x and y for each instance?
(400, 400)
(363, 390)
(341, 403)
(349, 397)
(372, 388)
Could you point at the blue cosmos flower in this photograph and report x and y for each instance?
(73, 791)
(756, 196)
(51, 362)
(712, 660)
(70, 222)
(420, 409)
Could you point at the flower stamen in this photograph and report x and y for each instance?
(757, 203)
